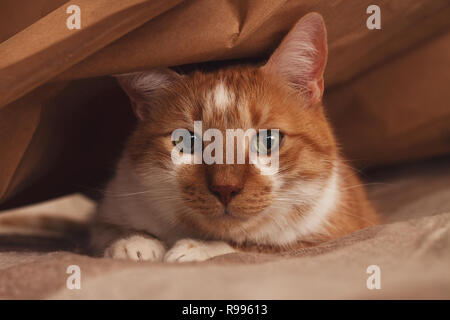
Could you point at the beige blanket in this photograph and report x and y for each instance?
(412, 250)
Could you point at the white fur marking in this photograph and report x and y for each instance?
(324, 206)
(222, 97)
(282, 230)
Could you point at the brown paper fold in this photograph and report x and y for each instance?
(48, 47)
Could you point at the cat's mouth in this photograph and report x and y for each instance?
(227, 214)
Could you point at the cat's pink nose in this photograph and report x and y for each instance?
(225, 193)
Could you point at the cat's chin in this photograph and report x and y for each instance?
(227, 215)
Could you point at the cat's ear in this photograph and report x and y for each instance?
(301, 57)
(142, 87)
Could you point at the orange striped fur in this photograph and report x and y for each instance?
(313, 197)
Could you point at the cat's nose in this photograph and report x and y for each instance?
(225, 193)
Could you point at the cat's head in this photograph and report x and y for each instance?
(225, 199)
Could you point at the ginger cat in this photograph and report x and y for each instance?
(158, 210)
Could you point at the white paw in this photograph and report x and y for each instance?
(137, 248)
(187, 250)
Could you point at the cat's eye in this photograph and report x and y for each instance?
(266, 141)
(188, 143)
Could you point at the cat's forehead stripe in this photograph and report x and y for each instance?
(222, 96)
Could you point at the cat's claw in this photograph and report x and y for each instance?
(188, 250)
(137, 248)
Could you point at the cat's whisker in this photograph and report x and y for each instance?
(370, 222)
(363, 185)
(119, 195)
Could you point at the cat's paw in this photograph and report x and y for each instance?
(187, 250)
(137, 248)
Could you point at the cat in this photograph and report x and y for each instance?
(156, 210)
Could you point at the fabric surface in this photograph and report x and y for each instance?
(386, 89)
(411, 247)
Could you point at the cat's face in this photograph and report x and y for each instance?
(226, 199)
